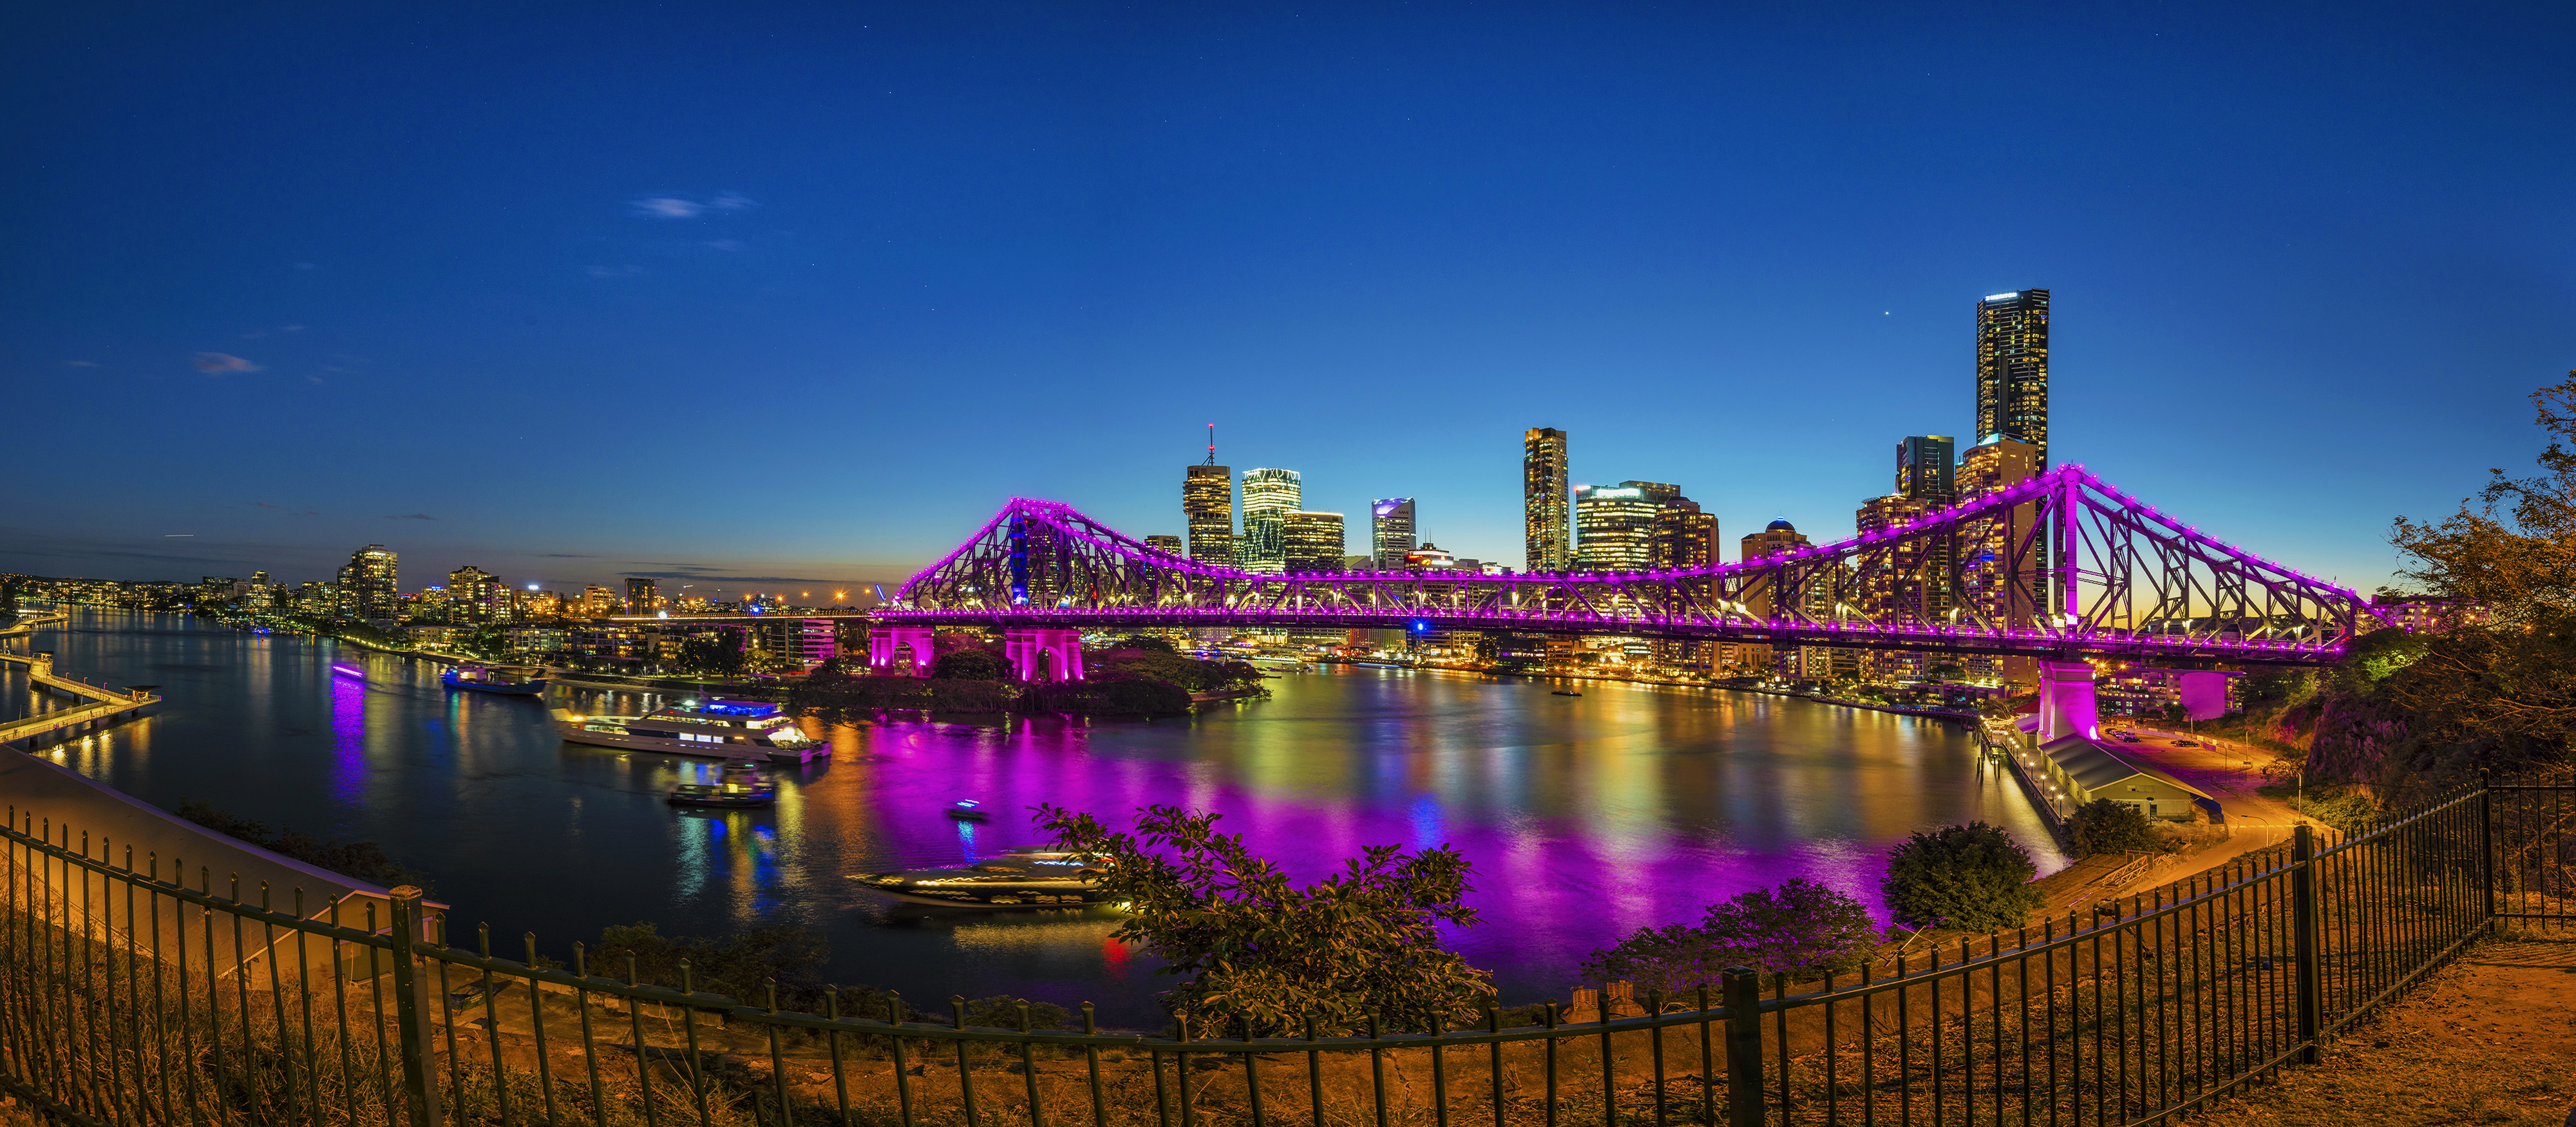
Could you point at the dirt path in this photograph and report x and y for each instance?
(2229, 772)
(2489, 1039)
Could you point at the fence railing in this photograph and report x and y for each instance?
(132, 991)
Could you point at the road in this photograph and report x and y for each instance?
(2229, 772)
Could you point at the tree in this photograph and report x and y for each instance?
(969, 665)
(1801, 930)
(711, 654)
(1946, 671)
(2105, 826)
(1146, 642)
(1254, 950)
(1971, 878)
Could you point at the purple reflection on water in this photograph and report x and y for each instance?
(348, 739)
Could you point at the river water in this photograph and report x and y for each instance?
(1585, 817)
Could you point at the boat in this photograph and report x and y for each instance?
(739, 785)
(968, 810)
(718, 729)
(1564, 693)
(513, 680)
(348, 671)
(1020, 878)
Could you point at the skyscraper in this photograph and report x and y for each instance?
(1312, 540)
(1162, 543)
(1923, 470)
(2012, 369)
(643, 596)
(1390, 531)
(476, 596)
(368, 583)
(1546, 503)
(1684, 537)
(1268, 497)
(2002, 573)
(1207, 503)
(1615, 525)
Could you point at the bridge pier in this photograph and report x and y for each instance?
(1025, 647)
(2066, 701)
(884, 641)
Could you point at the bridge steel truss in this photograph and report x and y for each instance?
(2060, 567)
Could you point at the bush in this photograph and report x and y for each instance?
(740, 965)
(1800, 930)
(1971, 878)
(1138, 697)
(2104, 826)
(1254, 951)
(970, 665)
(360, 860)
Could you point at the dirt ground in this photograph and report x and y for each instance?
(2489, 1039)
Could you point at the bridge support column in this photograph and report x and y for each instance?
(1024, 649)
(2066, 701)
(885, 641)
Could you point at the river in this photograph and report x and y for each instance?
(1585, 817)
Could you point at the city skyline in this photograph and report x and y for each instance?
(300, 338)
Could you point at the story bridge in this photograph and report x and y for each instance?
(2061, 568)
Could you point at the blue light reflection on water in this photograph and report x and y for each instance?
(1585, 818)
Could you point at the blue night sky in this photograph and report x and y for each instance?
(791, 294)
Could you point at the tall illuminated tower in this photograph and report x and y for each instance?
(1207, 504)
(368, 582)
(1390, 531)
(1268, 497)
(2012, 369)
(1547, 502)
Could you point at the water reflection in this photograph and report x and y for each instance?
(1586, 817)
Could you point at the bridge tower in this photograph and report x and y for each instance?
(884, 641)
(1062, 649)
(2066, 701)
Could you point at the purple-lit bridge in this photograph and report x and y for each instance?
(2060, 568)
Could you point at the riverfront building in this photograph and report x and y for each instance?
(1925, 470)
(368, 584)
(1390, 531)
(1614, 525)
(1207, 504)
(476, 597)
(1546, 503)
(2012, 369)
(1164, 543)
(1311, 541)
(1268, 497)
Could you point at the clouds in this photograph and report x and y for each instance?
(218, 363)
(81, 363)
(681, 207)
(411, 516)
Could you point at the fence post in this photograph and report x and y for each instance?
(2303, 931)
(411, 1011)
(1743, 1047)
(2486, 847)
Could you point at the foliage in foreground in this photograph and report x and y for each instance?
(1970, 878)
(2103, 826)
(360, 860)
(1801, 930)
(1252, 948)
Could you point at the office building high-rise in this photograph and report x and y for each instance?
(368, 584)
(1268, 497)
(1312, 541)
(1207, 503)
(1614, 525)
(1164, 543)
(1684, 537)
(2001, 571)
(643, 596)
(2012, 369)
(476, 596)
(1924, 470)
(1390, 531)
(1547, 504)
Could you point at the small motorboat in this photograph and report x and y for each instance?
(513, 680)
(1564, 693)
(740, 785)
(348, 671)
(968, 810)
(1020, 878)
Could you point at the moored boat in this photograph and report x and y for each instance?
(723, 729)
(512, 680)
(1021, 878)
(740, 784)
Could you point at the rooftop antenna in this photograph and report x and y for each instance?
(1211, 444)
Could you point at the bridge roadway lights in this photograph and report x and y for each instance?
(2066, 701)
(1024, 648)
(885, 641)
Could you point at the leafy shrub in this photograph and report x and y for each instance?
(1135, 697)
(359, 860)
(2104, 826)
(1971, 877)
(740, 965)
(1253, 950)
(1800, 930)
(970, 665)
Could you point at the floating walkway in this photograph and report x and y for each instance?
(100, 705)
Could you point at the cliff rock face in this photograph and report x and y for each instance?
(2353, 737)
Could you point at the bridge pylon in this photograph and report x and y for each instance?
(885, 642)
(2066, 702)
(1026, 648)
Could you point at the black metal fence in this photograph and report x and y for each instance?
(139, 991)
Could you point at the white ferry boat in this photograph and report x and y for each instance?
(720, 729)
